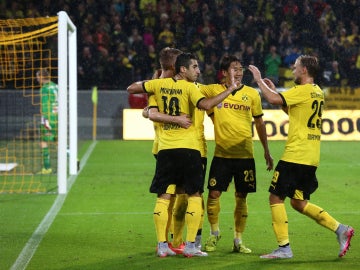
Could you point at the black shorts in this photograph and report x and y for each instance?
(223, 170)
(204, 165)
(293, 180)
(181, 167)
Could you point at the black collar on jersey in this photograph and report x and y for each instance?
(237, 89)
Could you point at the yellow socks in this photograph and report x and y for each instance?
(213, 210)
(161, 217)
(193, 217)
(280, 223)
(169, 226)
(178, 218)
(320, 216)
(240, 216)
(202, 216)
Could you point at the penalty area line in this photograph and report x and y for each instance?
(31, 246)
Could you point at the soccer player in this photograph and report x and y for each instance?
(167, 58)
(179, 209)
(49, 116)
(234, 153)
(179, 158)
(178, 202)
(295, 173)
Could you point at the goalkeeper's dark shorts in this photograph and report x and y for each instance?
(293, 180)
(181, 167)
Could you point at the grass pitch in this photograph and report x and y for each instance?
(105, 220)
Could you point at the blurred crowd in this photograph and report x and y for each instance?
(119, 40)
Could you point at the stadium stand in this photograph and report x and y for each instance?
(118, 40)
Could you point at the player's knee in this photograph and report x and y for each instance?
(214, 194)
(164, 196)
(298, 205)
(196, 194)
(240, 195)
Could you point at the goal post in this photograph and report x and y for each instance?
(27, 46)
(67, 76)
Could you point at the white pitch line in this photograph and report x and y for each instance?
(31, 246)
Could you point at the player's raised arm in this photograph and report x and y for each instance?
(266, 86)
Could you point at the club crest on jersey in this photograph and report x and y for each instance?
(212, 182)
(244, 98)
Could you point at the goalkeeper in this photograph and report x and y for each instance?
(49, 116)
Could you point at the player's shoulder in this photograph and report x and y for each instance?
(214, 87)
(250, 88)
(185, 82)
(306, 88)
(186, 85)
(158, 81)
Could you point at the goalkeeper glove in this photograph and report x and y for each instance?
(46, 123)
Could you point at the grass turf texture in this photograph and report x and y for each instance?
(106, 220)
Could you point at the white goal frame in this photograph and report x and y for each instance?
(67, 85)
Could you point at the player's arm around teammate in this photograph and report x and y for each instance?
(178, 144)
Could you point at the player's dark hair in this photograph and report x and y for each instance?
(184, 60)
(311, 63)
(227, 60)
(167, 57)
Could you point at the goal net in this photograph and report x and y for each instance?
(33, 158)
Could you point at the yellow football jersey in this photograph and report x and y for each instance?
(176, 97)
(305, 107)
(199, 124)
(152, 104)
(232, 120)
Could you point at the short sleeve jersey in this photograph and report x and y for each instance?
(233, 121)
(49, 101)
(152, 104)
(305, 107)
(175, 97)
(199, 124)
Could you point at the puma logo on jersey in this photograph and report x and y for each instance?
(190, 213)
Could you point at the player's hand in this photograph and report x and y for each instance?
(183, 121)
(256, 73)
(145, 112)
(269, 83)
(269, 161)
(233, 82)
(47, 124)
